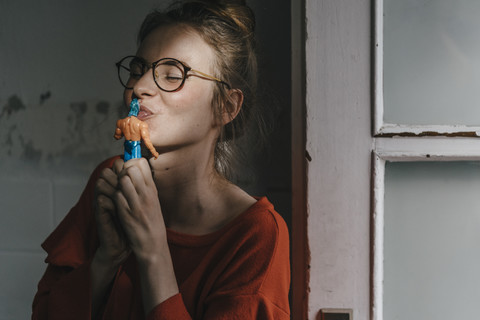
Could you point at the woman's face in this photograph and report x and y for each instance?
(185, 117)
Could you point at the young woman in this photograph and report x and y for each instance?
(172, 237)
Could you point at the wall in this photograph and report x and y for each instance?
(59, 99)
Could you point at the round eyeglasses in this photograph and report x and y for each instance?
(169, 74)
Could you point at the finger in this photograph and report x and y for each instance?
(134, 176)
(109, 176)
(144, 167)
(118, 166)
(105, 203)
(113, 216)
(123, 210)
(104, 208)
(103, 186)
(128, 185)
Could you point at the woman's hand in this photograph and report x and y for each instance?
(139, 210)
(113, 248)
(140, 214)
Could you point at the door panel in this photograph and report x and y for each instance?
(431, 256)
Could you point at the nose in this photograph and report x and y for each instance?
(145, 86)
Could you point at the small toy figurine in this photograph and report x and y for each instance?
(134, 130)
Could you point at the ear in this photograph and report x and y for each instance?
(232, 105)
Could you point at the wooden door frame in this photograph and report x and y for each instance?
(300, 254)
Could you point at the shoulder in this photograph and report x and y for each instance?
(74, 239)
(263, 222)
(258, 255)
(258, 241)
(270, 234)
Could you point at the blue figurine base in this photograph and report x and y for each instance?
(133, 149)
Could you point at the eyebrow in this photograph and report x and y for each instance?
(139, 59)
(183, 60)
(172, 62)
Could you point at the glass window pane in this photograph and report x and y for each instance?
(432, 240)
(431, 62)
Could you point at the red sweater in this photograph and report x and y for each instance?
(241, 271)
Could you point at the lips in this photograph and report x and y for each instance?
(144, 113)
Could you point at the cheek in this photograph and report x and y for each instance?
(197, 103)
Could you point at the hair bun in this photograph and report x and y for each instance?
(227, 2)
(242, 15)
(236, 11)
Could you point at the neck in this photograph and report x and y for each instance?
(188, 190)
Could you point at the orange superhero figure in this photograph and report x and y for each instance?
(134, 130)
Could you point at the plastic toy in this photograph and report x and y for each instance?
(134, 131)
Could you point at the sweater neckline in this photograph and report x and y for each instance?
(190, 240)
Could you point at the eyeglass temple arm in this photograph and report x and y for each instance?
(204, 75)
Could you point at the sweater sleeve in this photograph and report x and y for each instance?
(64, 290)
(172, 308)
(63, 294)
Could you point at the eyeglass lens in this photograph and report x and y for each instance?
(168, 74)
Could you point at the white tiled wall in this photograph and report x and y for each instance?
(26, 213)
(19, 275)
(25, 220)
(30, 207)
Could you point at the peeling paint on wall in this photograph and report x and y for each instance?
(55, 134)
(402, 130)
(30, 152)
(102, 107)
(14, 104)
(79, 108)
(45, 96)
